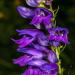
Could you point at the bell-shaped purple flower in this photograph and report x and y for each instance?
(58, 35)
(42, 15)
(38, 15)
(30, 35)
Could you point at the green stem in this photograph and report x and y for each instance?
(59, 62)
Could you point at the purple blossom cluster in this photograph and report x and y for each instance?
(35, 45)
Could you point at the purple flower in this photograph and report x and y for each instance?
(30, 35)
(38, 15)
(35, 44)
(33, 52)
(46, 69)
(42, 15)
(57, 35)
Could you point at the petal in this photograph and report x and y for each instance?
(36, 72)
(32, 3)
(40, 47)
(59, 34)
(37, 62)
(55, 43)
(28, 72)
(42, 39)
(32, 71)
(52, 57)
(49, 67)
(31, 32)
(34, 52)
(36, 21)
(44, 73)
(48, 2)
(22, 61)
(54, 72)
(47, 22)
(25, 12)
(24, 41)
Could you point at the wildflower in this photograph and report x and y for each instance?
(42, 15)
(57, 35)
(30, 35)
(38, 15)
(35, 45)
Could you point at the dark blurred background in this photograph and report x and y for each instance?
(10, 20)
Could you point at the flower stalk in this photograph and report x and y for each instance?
(41, 48)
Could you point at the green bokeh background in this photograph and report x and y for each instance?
(10, 20)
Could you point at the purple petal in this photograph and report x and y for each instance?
(32, 71)
(49, 67)
(44, 73)
(42, 15)
(37, 72)
(47, 22)
(54, 72)
(32, 3)
(41, 48)
(22, 61)
(24, 41)
(59, 34)
(28, 72)
(42, 39)
(52, 57)
(37, 62)
(34, 52)
(55, 43)
(36, 21)
(31, 32)
(25, 12)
